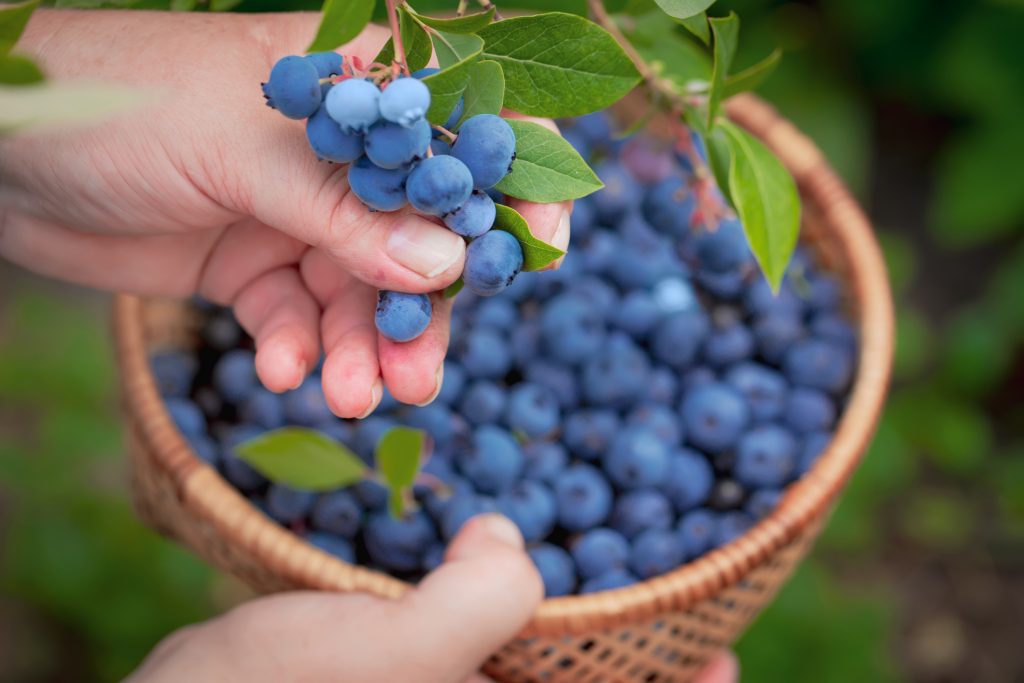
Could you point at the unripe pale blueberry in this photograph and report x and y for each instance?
(404, 101)
(353, 103)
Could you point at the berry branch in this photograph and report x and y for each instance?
(396, 36)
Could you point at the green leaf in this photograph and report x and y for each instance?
(13, 19)
(673, 56)
(342, 21)
(303, 459)
(719, 159)
(752, 77)
(547, 168)
(454, 288)
(418, 48)
(223, 5)
(726, 32)
(50, 104)
(766, 199)
(398, 455)
(471, 23)
(698, 26)
(558, 64)
(536, 254)
(18, 70)
(485, 91)
(456, 54)
(183, 5)
(683, 9)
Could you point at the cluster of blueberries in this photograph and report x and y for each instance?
(397, 158)
(642, 405)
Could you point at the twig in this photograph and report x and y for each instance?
(396, 35)
(444, 131)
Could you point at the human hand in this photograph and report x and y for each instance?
(207, 191)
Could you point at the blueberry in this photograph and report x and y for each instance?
(819, 364)
(600, 551)
(531, 505)
(333, 545)
(398, 544)
(186, 415)
(533, 410)
(474, 217)
(205, 448)
(372, 495)
(697, 376)
(578, 141)
(647, 160)
(813, 446)
(237, 471)
(453, 380)
(545, 461)
(337, 429)
(637, 314)
(669, 205)
(433, 557)
(726, 285)
(655, 552)
(307, 405)
(660, 419)
(760, 300)
(327, 63)
(495, 460)
(589, 432)
(775, 334)
(729, 345)
(234, 376)
(521, 288)
(439, 147)
(762, 502)
(390, 145)
(492, 261)
(617, 374)
(329, 142)
(637, 458)
(677, 338)
(402, 317)
(591, 288)
(584, 498)
(483, 402)
(583, 218)
(572, 328)
(834, 328)
(293, 87)
(662, 387)
(460, 509)
(619, 194)
(765, 456)
(714, 416)
(264, 409)
(435, 419)
(367, 435)
(696, 531)
(599, 251)
(353, 104)
(404, 101)
(556, 569)
(439, 185)
(617, 578)
(724, 248)
(730, 526)
(674, 294)
(378, 188)
(485, 354)
(560, 380)
(688, 479)
(810, 410)
(595, 127)
(288, 505)
(645, 257)
(764, 388)
(338, 512)
(825, 292)
(486, 144)
(637, 511)
(173, 371)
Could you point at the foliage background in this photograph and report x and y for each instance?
(920, 574)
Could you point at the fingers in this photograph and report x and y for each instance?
(281, 315)
(412, 370)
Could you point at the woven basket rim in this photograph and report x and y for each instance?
(804, 501)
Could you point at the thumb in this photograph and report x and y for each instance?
(477, 601)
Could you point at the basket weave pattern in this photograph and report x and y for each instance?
(663, 629)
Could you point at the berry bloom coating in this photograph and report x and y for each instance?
(688, 479)
(724, 248)
(439, 185)
(532, 410)
(764, 388)
(402, 317)
(714, 416)
(487, 145)
(588, 432)
(378, 188)
(810, 410)
(819, 364)
(495, 460)
(293, 87)
(600, 551)
(329, 142)
(484, 353)
(637, 458)
(584, 498)
(556, 569)
(353, 104)
(545, 461)
(405, 101)
(483, 402)
(474, 217)
(492, 261)
(390, 145)
(326, 63)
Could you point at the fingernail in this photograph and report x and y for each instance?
(376, 393)
(500, 528)
(423, 247)
(302, 375)
(437, 389)
(561, 237)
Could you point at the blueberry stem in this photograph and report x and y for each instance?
(396, 36)
(444, 131)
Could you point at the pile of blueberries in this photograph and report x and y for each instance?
(642, 405)
(397, 158)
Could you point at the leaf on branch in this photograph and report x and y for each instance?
(456, 54)
(726, 31)
(558, 64)
(547, 168)
(470, 23)
(19, 70)
(13, 19)
(671, 54)
(223, 5)
(415, 40)
(751, 78)
(536, 254)
(64, 104)
(399, 455)
(342, 21)
(766, 199)
(303, 459)
(683, 9)
(698, 26)
(454, 288)
(485, 91)
(719, 159)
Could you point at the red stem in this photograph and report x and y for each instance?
(396, 35)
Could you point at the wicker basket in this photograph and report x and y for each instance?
(663, 629)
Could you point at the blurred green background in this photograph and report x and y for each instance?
(920, 574)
